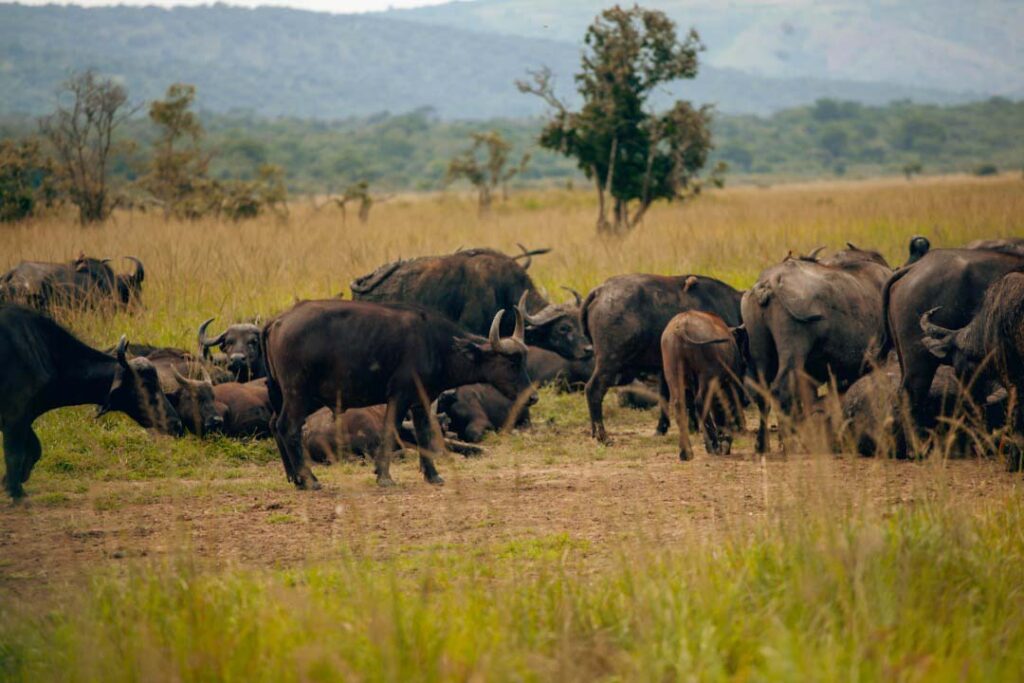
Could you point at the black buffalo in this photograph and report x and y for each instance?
(624, 319)
(475, 409)
(549, 368)
(809, 321)
(84, 282)
(991, 344)
(240, 344)
(352, 354)
(954, 281)
(470, 287)
(46, 367)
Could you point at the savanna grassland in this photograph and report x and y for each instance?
(138, 557)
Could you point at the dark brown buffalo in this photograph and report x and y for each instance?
(624, 319)
(84, 282)
(1013, 245)
(470, 287)
(991, 344)
(702, 355)
(244, 408)
(954, 281)
(240, 344)
(810, 321)
(475, 409)
(549, 368)
(196, 404)
(45, 367)
(354, 354)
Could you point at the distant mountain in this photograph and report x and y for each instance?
(325, 66)
(941, 44)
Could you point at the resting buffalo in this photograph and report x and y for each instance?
(991, 344)
(356, 354)
(84, 282)
(46, 367)
(195, 403)
(549, 368)
(470, 287)
(810, 320)
(954, 281)
(624, 319)
(244, 408)
(475, 409)
(702, 355)
(240, 344)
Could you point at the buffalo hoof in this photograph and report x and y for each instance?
(386, 482)
(436, 480)
(1014, 458)
(685, 455)
(307, 485)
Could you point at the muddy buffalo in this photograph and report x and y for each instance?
(624, 318)
(46, 367)
(354, 354)
(810, 321)
(470, 287)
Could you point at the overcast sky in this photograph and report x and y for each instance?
(318, 5)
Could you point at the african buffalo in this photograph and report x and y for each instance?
(809, 321)
(195, 403)
(624, 318)
(700, 353)
(355, 354)
(244, 408)
(954, 281)
(240, 344)
(470, 287)
(547, 367)
(84, 282)
(475, 409)
(992, 343)
(1013, 245)
(46, 367)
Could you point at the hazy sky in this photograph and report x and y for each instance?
(318, 5)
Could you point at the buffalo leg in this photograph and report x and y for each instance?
(393, 415)
(286, 459)
(916, 383)
(289, 436)
(427, 443)
(664, 396)
(597, 387)
(706, 397)
(21, 451)
(680, 408)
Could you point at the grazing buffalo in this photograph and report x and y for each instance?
(84, 282)
(624, 318)
(954, 281)
(991, 344)
(244, 408)
(355, 354)
(549, 368)
(475, 409)
(240, 344)
(702, 355)
(470, 287)
(46, 367)
(810, 320)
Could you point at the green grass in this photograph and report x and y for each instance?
(929, 594)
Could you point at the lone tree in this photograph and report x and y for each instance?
(632, 155)
(178, 166)
(486, 173)
(81, 130)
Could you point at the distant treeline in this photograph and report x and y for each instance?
(412, 150)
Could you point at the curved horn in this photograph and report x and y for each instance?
(122, 351)
(576, 295)
(930, 328)
(526, 253)
(519, 333)
(182, 380)
(140, 272)
(521, 307)
(204, 343)
(494, 336)
(813, 256)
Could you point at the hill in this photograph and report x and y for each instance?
(276, 62)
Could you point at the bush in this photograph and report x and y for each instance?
(986, 169)
(26, 180)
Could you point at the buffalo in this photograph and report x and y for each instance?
(953, 281)
(240, 344)
(1013, 245)
(702, 355)
(84, 282)
(809, 321)
(475, 409)
(244, 408)
(354, 354)
(196, 404)
(469, 287)
(992, 343)
(624, 317)
(549, 368)
(47, 367)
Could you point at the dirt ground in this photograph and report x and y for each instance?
(550, 481)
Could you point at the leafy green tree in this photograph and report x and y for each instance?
(489, 171)
(631, 155)
(178, 166)
(26, 179)
(90, 109)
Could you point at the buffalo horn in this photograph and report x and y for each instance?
(930, 328)
(521, 307)
(140, 272)
(813, 256)
(576, 295)
(494, 336)
(204, 343)
(122, 350)
(519, 334)
(182, 380)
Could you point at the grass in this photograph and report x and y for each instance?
(785, 569)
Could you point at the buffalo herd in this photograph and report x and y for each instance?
(436, 351)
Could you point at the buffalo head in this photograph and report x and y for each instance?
(196, 405)
(129, 287)
(954, 347)
(556, 327)
(136, 392)
(502, 361)
(240, 344)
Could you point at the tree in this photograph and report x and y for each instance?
(26, 179)
(81, 131)
(178, 167)
(358, 192)
(487, 173)
(630, 154)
